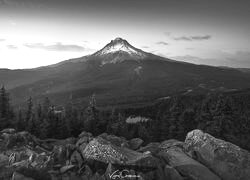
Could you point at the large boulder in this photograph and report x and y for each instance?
(86, 171)
(76, 158)
(37, 174)
(83, 142)
(171, 143)
(84, 139)
(227, 160)
(57, 142)
(171, 173)
(118, 141)
(104, 151)
(185, 165)
(153, 148)
(18, 176)
(135, 143)
(85, 134)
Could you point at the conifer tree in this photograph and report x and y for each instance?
(92, 116)
(30, 123)
(175, 128)
(5, 113)
(45, 110)
(20, 121)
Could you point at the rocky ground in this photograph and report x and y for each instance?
(200, 157)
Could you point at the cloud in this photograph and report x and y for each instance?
(193, 38)
(21, 3)
(189, 48)
(12, 23)
(198, 60)
(167, 33)
(56, 47)
(12, 47)
(238, 59)
(10, 2)
(162, 43)
(243, 54)
(2, 40)
(3, 2)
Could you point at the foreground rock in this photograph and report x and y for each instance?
(172, 173)
(153, 148)
(200, 157)
(104, 151)
(227, 160)
(115, 140)
(18, 176)
(135, 143)
(174, 155)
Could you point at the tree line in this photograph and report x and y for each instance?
(223, 116)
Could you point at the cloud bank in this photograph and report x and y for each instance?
(12, 47)
(239, 59)
(193, 38)
(162, 43)
(56, 47)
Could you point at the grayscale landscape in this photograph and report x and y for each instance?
(125, 90)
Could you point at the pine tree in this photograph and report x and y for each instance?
(39, 111)
(205, 120)
(111, 121)
(5, 120)
(46, 106)
(63, 128)
(20, 121)
(187, 121)
(44, 120)
(175, 128)
(44, 128)
(92, 116)
(30, 119)
(224, 117)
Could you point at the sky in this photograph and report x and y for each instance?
(36, 33)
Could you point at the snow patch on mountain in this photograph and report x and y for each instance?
(118, 47)
(138, 70)
(119, 50)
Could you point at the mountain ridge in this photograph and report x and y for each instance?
(117, 75)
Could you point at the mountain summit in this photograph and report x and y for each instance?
(119, 74)
(119, 50)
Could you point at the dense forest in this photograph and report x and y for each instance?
(226, 116)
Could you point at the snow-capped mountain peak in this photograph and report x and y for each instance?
(118, 45)
(119, 50)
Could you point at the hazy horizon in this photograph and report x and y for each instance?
(37, 33)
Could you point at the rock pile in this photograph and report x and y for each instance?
(200, 157)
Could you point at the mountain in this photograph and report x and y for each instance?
(119, 74)
(119, 50)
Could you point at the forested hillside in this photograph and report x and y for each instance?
(225, 116)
